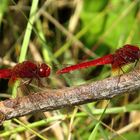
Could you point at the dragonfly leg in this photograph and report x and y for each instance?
(119, 77)
(40, 83)
(136, 63)
(27, 82)
(135, 69)
(122, 70)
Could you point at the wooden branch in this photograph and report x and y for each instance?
(48, 100)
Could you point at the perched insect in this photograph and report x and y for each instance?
(29, 70)
(125, 55)
(26, 69)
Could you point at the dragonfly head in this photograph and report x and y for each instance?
(44, 70)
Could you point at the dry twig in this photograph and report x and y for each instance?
(48, 100)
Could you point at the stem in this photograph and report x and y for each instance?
(47, 100)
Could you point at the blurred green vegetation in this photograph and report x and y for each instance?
(68, 32)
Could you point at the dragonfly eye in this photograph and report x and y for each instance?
(44, 70)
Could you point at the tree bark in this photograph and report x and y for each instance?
(53, 99)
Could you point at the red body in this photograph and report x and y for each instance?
(26, 69)
(126, 54)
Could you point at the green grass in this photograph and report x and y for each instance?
(99, 28)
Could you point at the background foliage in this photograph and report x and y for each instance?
(68, 32)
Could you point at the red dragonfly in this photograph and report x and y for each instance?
(26, 69)
(125, 55)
